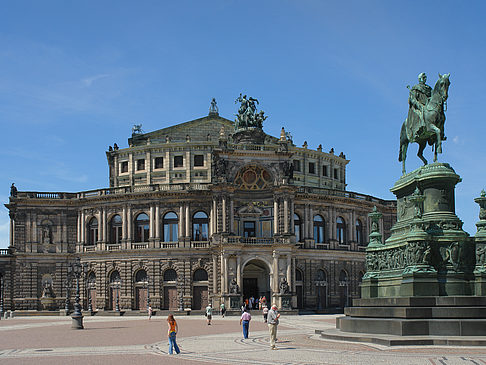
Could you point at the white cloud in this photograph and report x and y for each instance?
(456, 140)
(89, 80)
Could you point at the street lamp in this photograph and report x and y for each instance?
(75, 270)
(117, 286)
(68, 294)
(1, 296)
(345, 283)
(148, 292)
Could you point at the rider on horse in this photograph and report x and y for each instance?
(419, 95)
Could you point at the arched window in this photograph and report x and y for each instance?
(141, 276)
(341, 230)
(200, 275)
(318, 229)
(321, 275)
(171, 226)
(142, 228)
(115, 277)
(297, 228)
(116, 229)
(200, 226)
(298, 275)
(91, 279)
(359, 233)
(343, 277)
(170, 275)
(92, 231)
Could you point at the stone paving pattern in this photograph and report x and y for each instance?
(129, 340)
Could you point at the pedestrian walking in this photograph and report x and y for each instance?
(222, 309)
(245, 321)
(272, 321)
(149, 310)
(171, 333)
(265, 314)
(209, 313)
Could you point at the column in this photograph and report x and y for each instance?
(124, 223)
(181, 221)
(115, 171)
(188, 222)
(275, 288)
(304, 226)
(78, 234)
(275, 216)
(99, 216)
(293, 275)
(311, 223)
(225, 273)
(289, 270)
(211, 221)
(353, 226)
(224, 214)
(215, 214)
(286, 216)
(238, 271)
(129, 223)
(151, 222)
(292, 221)
(232, 216)
(105, 226)
(12, 229)
(215, 276)
(83, 227)
(157, 222)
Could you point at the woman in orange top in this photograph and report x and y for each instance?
(171, 333)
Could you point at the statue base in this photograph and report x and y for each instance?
(284, 301)
(427, 253)
(232, 301)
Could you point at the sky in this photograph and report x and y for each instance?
(76, 76)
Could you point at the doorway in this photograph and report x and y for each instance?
(256, 280)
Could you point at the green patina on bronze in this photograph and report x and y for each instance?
(428, 253)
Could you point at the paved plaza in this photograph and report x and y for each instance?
(130, 340)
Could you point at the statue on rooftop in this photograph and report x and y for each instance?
(213, 109)
(247, 116)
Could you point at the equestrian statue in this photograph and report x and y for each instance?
(426, 117)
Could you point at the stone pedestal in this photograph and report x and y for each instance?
(232, 301)
(284, 301)
(77, 322)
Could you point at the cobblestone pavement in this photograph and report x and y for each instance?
(129, 340)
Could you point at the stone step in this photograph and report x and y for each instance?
(460, 301)
(391, 340)
(417, 312)
(413, 327)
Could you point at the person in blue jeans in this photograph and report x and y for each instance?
(245, 321)
(171, 333)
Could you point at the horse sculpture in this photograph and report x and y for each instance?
(431, 128)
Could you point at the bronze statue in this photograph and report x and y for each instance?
(247, 116)
(426, 118)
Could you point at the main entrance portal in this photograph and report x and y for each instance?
(256, 280)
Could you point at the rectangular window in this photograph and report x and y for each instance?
(159, 163)
(198, 160)
(296, 165)
(124, 166)
(178, 161)
(324, 170)
(140, 164)
(336, 174)
(312, 168)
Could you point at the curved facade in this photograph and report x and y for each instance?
(195, 213)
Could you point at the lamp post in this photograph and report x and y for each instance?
(117, 286)
(345, 283)
(68, 295)
(148, 292)
(1, 296)
(76, 270)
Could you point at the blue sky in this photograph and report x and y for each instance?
(76, 76)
